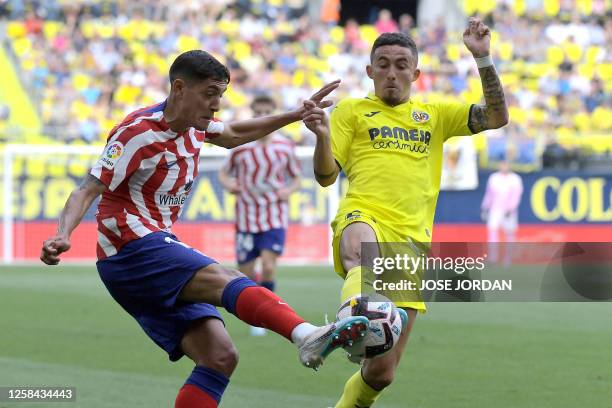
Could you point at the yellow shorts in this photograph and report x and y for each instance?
(404, 299)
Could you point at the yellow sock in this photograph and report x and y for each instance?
(357, 393)
(357, 281)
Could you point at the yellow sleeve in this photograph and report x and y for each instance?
(454, 119)
(342, 130)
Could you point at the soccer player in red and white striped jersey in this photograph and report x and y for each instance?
(262, 175)
(144, 176)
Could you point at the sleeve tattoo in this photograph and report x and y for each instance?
(489, 116)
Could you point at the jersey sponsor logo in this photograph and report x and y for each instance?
(112, 153)
(178, 199)
(408, 135)
(170, 164)
(172, 200)
(420, 117)
(369, 115)
(398, 145)
(397, 138)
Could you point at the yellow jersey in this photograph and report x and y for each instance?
(392, 156)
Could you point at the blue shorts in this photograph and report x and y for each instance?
(249, 245)
(146, 276)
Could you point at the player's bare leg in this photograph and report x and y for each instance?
(208, 344)
(260, 307)
(268, 268)
(352, 259)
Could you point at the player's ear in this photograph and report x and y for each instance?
(369, 71)
(416, 74)
(178, 87)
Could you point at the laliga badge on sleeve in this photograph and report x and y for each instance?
(111, 154)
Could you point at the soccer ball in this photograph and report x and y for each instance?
(386, 324)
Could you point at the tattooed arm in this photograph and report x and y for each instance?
(76, 206)
(494, 114)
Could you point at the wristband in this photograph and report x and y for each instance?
(484, 62)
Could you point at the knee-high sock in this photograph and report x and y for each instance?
(203, 389)
(357, 393)
(358, 280)
(258, 306)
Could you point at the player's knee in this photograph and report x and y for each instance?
(351, 257)
(378, 377)
(350, 253)
(224, 360)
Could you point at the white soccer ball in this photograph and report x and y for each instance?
(386, 324)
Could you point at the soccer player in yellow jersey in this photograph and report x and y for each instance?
(390, 147)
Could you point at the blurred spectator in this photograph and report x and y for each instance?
(4, 8)
(352, 35)
(596, 96)
(33, 24)
(89, 62)
(385, 22)
(330, 12)
(406, 24)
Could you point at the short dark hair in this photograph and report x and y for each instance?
(401, 39)
(198, 65)
(263, 98)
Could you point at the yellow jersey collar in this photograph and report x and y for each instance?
(406, 105)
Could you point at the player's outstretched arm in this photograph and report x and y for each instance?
(245, 131)
(326, 169)
(76, 206)
(494, 114)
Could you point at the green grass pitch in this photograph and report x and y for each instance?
(59, 327)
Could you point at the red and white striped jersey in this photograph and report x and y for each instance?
(149, 171)
(261, 169)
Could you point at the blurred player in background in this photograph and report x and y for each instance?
(390, 147)
(144, 175)
(262, 175)
(500, 209)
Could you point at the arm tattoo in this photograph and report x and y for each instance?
(490, 115)
(88, 181)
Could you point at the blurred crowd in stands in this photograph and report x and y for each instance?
(86, 63)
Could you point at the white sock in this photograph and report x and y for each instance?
(301, 331)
